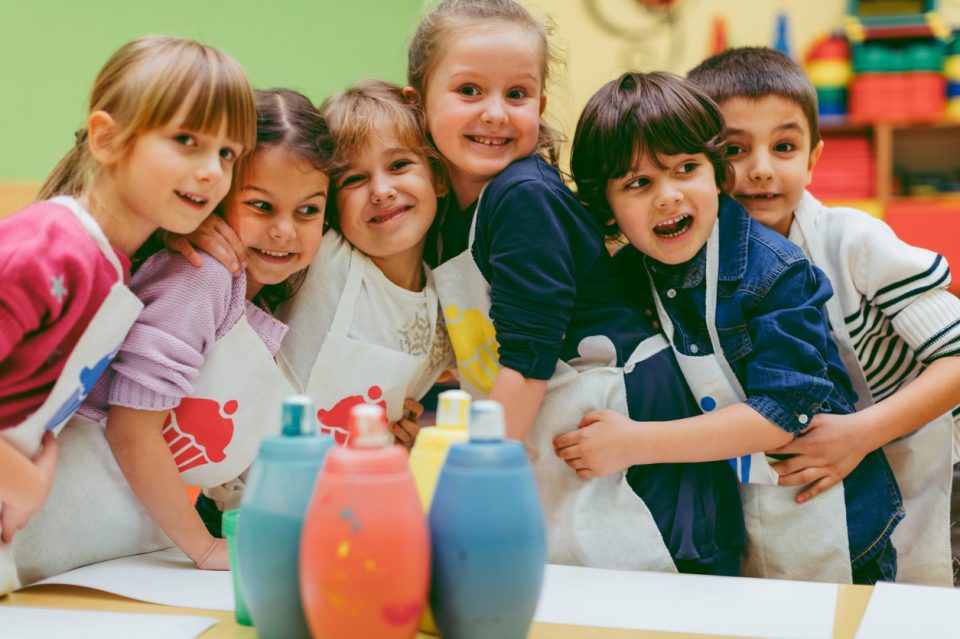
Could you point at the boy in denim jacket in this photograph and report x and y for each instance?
(743, 309)
(892, 317)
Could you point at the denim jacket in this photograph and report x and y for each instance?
(773, 329)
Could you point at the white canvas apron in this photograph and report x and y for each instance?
(921, 461)
(90, 357)
(785, 540)
(348, 371)
(599, 522)
(93, 515)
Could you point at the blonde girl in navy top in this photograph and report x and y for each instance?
(537, 314)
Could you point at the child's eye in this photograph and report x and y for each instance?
(228, 154)
(733, 149)
(687, 167)
(351, 180)
(470, 90)
(309, 210)
(637, 183)
(400, 164)
(516, 94)
(784, 147)
(185, 139)
(260, 205)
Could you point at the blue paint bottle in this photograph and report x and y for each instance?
(489, 538)
(274, 504)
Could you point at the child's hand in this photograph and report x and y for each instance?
(13, 519)
(405, 430)
(215, 237)
(216, 557)
(826, 452)
(599, 446)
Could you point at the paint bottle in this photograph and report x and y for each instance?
(488, 535)
(365, 556)
(429, 452)
(275, 500)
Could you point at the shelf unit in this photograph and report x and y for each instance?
(930, 220)
(883, 137)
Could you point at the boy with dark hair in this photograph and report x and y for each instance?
(895, 323)
(743, 310)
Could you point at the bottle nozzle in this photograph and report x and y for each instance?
(368, 427)
(453, 409)
(298, 416)
(486, 421)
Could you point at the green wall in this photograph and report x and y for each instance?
(51, 50)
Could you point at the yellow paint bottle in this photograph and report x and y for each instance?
(430, 451)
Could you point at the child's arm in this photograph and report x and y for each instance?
(24, 484)
(521, 398)
(834, 444)
(135, 438)
(215, 237)
(908, 286)
(607, 442)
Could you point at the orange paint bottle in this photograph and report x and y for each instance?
(364, 553)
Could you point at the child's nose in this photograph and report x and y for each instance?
(761, 168)
(282, 228)
(494, 111)
(210, 167)
(668, 195)
(383, 190)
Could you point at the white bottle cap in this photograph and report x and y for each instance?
(368, 427)
(453, 408)
(486, 421)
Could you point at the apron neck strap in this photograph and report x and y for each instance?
(473, 222)
(90, 226)
(343, 317)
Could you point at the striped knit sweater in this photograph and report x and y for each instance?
(894, 296)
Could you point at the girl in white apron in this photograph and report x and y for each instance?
(365, 326)
(537, 316)
(194, 387)
(743, 310)
(66, 258)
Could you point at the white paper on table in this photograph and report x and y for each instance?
(896, 611)
(732, 606)
(20, 622)
(164, 577)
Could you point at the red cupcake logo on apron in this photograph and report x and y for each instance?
(198, 431)
(335, 420)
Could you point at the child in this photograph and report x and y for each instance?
(194, 387)
(531, 295)
(895, 323)
(742, 309)
(365, 326)
(168, 120)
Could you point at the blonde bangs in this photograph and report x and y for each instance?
(370, 110)
(178, 72)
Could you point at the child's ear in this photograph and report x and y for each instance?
(101, 131)
(814, 156)
(543, 104)
(411, 94)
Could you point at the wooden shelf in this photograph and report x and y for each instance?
(882, 142)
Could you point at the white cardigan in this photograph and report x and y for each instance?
(893, 296)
